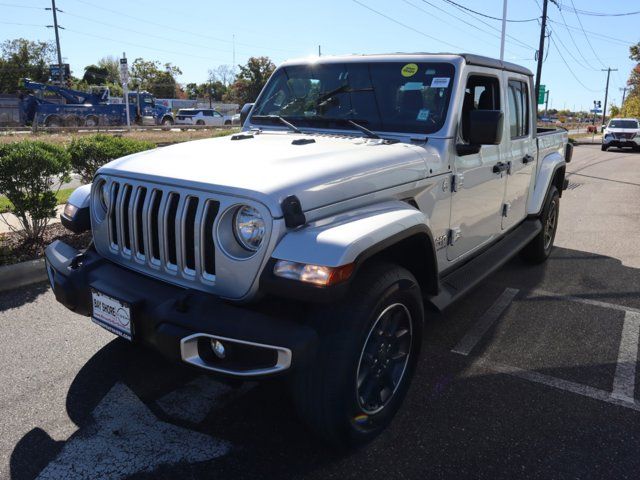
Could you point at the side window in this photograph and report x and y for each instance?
(481, 93)
(518, 95)
(208, 113)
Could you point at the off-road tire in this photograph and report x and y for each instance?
(603, 148)
(327, 394)
(539, 249)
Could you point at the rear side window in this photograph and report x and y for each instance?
(207, 113)
(518, 96)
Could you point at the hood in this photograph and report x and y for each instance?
(270, 166)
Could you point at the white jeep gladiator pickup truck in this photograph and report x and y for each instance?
(361, 190)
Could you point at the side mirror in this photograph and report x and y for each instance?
(485, 128)
(244, 113)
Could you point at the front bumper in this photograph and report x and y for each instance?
(260, 341)
(621, 143)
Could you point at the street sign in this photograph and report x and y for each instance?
(596, 110)
(541, 94)
(124, 71)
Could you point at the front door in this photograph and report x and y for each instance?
(476, 205)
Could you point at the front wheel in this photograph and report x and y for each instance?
(603, 148)
(369, 347)
(539, 249)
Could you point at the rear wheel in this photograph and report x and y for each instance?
(53, 121)
(369, 346)
(199, 122)
(91, 121)
(540, 247)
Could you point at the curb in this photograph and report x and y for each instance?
(22, 274)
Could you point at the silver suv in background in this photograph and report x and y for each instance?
(201, 116)
(621, 133)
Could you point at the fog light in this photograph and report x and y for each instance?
(218, 348)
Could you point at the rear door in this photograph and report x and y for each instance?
(476, 205)
(520, 150)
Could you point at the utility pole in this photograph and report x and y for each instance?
(56, 27)
(624, 94)
(606, 91)
(504, 29)
(319, 51)
(543, 28)
(546, 104)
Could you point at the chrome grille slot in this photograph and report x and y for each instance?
(171, 219)
(189, 234)
(172, 233)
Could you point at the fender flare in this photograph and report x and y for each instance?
(81, 219)
(350, 237)
(544, 179)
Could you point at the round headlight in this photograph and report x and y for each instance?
(249, 227)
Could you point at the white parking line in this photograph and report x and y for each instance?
(586, 301)
(471, 339)
(559, 383)
(624, 383)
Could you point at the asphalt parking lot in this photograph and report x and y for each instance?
(533, 375)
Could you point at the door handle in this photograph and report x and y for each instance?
(527, 158)
(500, 167)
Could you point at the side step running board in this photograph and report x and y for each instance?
(459, 282)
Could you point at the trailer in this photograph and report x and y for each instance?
(88, 109)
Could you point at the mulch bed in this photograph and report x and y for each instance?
(14, 248)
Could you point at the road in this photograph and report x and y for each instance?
(533, 375)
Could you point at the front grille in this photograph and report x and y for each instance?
(623, 135)
(163, 228)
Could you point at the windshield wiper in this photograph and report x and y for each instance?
(281, 120)
(345, 88)
(364, 130)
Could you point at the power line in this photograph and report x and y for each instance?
(598, 14)
(187, 32)
(516, 40)
(586, 36)
(588, 67)
(20, 6)
(406, 26)
(457, 5)
(432, 15)
(599, 35)
(553, 42)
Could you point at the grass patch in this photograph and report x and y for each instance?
(62, 196)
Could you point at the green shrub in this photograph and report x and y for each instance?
(88, 154)
(28, 172)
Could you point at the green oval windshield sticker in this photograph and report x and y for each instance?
(409, 70)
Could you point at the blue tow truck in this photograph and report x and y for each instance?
(88, 109)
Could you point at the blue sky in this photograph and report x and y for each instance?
(198, 35)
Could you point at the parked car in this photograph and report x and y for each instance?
(201, 116)
(235, 119)
(306, 246)
(621, 133)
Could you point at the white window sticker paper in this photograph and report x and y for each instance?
(440, 82)
(423, 115)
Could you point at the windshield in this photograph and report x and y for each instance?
(623, 124)
(383, 96)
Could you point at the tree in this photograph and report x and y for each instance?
(112, 66)
(614, 111)
(22, 58)
(631, 106)
(95, 75)
(250, 80)
(148, 75)
(224, 74)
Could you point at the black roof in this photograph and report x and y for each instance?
(479, 60)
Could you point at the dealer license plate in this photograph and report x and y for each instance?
(111, 314)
